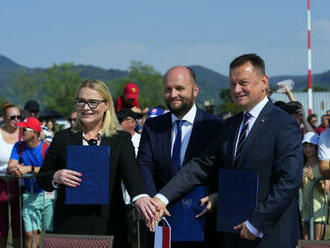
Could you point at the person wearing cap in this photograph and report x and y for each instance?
(129, 98)
(311, 172)
(27, 157)
(154, 112)
(32, 109)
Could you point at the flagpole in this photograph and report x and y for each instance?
(309, 52)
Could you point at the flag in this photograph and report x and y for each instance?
(162, 237)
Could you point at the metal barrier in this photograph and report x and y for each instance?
(8, 177)
(311, 210)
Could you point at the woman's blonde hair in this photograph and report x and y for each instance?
(110, 124)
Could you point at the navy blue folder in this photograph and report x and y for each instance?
(93, 162)
(237, 198)
(184, 225)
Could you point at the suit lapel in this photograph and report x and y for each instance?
(258, 124)
(196, 135)
(165, 139)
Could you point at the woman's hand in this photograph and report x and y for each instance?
(67, 177)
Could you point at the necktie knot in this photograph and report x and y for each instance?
(179, 124)
(247, 116)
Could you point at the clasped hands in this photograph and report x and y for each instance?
(19, 170)
(153, 209)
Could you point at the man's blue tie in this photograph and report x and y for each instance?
(242, 136)
(176, 161)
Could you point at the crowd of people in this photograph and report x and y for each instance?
(160, 154)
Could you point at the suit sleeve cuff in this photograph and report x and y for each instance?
(138, 197)
(253, 230)
(162, 198)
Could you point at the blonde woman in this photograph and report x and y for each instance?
(96, 125)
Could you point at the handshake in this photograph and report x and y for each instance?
(153, 209)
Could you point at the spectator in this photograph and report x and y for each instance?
(312, 120)
(129, 98)
(311, 172)
(324, 153)
(72, 119)
(9, 135)
(154, 112)
(96, 124)
(32, 109)
(127, 119)
(324, 124)
(50, 124)
(27, 157)
(296, 110)
(279, 104)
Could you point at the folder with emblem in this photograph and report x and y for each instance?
(93, 162)
(184, 225)
(237, 198)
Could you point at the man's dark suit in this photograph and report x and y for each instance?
(154, 156)
(273, 149)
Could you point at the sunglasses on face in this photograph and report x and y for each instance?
(92, 103)
(72, 119)
(14, 117)
(27, 129)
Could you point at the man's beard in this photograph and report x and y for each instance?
(182, 109)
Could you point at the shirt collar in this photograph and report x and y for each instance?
(257, 109)
(188, 117)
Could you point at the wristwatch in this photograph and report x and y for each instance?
(32, 169)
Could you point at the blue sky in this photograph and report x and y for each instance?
(110, 34)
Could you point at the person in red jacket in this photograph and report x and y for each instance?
(129, 98)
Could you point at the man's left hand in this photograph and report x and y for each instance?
(244, 232)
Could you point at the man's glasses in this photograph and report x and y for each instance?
(72, 119)
(14, 117)
(27, 129)
(92, 103)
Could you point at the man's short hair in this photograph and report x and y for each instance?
(190, 72)
(32, 106)
(253, 58)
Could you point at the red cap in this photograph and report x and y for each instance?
(131, 91)
(32, 123)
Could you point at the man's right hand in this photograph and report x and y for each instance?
(67, 177)
(210, 201)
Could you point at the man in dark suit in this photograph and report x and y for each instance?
(264, 139)
(158, 144)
